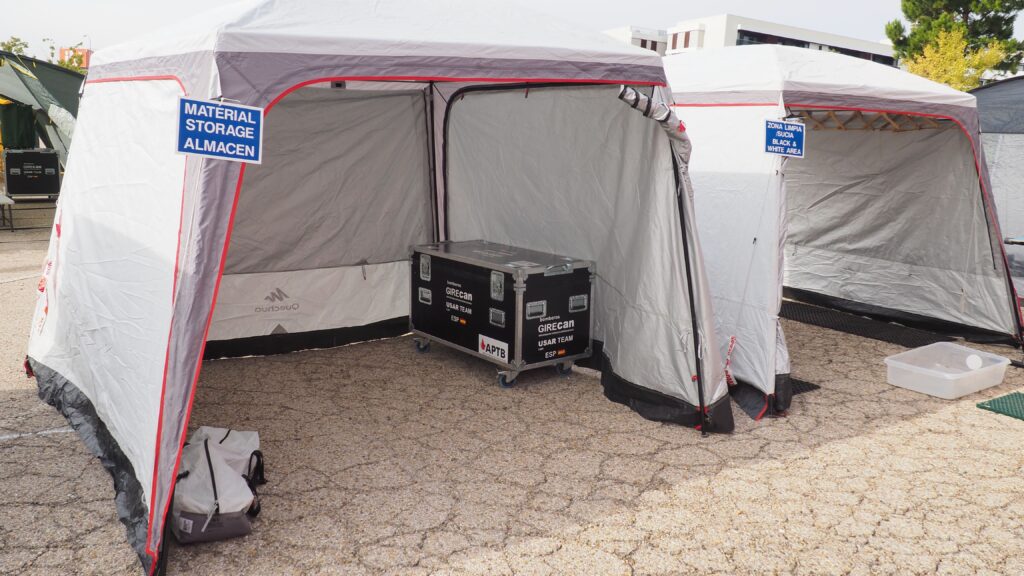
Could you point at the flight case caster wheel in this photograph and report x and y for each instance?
(564, 368)
(422, 346)
(504, 382)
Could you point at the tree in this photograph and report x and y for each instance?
(75, 61)
(982, 21)
(949, 60)
(15, 45)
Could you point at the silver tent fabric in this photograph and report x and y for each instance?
(895, 220)
(145, 260)
(1001, 107)
(745, 206)
(287, 278)
(342, 190)
(1005, 154)
(596, 190)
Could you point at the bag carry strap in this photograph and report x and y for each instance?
(255, 507)
(254, 478)
(213, 482)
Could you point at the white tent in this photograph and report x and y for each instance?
(1001, 107)
(888, 214)
(388, 123)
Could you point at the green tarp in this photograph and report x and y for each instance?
(17, 126)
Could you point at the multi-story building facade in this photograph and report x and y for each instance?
(66, 54)
(731, 30)
(649, 38)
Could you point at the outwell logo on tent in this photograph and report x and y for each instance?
(277, 295)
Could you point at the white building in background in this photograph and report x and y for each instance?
(731, 30)
(649, 38)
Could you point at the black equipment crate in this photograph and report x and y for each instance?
(32, 172)
(518, 308)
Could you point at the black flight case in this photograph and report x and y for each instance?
(32, 173)
(518, 308)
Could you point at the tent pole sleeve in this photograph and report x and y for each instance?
(428, 98)
(662, 113)
(697, 356)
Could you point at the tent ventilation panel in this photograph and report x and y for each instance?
(874, 121)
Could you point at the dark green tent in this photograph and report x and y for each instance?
(49, 90)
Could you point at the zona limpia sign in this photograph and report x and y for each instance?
(784, 138)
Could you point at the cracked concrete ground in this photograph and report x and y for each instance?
(381, 460)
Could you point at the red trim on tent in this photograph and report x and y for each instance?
(446, 79)
(985, 192)
(725, 104)
(760, 415)
(167, 354)
(181, 218)
(138, 79)
(202, 350)
(231, 224)
(167, 358)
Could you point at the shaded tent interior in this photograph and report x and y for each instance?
(337, 280)
(1001, 107)
(887, 215)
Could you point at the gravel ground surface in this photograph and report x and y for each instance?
(381, 460)
(21, 260)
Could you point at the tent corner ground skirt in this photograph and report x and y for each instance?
(909, 319)
(659, 407)
(68, 399)
(756, 404)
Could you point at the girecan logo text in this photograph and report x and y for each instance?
(277, 295)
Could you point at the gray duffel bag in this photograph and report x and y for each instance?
(215, 497)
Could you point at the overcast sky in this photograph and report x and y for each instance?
(101, 23)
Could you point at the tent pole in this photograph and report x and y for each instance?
(428, 96)
(697, 356)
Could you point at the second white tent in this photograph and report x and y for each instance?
(888, 214)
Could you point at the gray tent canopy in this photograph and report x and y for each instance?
(1001, 108)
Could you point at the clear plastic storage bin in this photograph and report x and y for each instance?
(946, 370)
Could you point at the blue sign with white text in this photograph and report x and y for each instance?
(220, 130)
(784, 138)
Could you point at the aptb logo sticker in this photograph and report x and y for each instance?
(493, 348)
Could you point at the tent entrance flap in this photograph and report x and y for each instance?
(1005, 154)
(575, 171)
(894, 218)
(324, 225)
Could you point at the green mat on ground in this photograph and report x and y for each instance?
(1011, 405)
